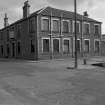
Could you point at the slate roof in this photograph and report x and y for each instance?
(65, 14)
(56, 12)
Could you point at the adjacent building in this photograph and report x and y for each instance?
(49, 33)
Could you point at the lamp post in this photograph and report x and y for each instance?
(75, 13)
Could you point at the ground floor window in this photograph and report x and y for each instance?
(8, 50)
(13, 49)
(45, 45)
(2, 50)
(18, 47)
(78, 45)
(56, 45)
(66, 45)
(32, 46)
(86, 43)
(97, 46)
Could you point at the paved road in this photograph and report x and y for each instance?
(51, 83)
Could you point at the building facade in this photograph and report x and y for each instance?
(49, 33)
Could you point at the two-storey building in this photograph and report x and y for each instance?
(48, 33)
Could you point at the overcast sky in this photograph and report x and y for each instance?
(95, 8)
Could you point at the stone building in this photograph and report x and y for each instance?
(49, 33)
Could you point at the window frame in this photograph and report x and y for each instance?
(79, 45)
(95, 45)
(73, 26)
(53, 44)
(42, 44)
(63, 45)
(68, 25)
(84, 45)
(42, 18)
(18, 47)
(98, 29)
(56, 19)
(84, 27)
(19, 27)
(32, 25)
(32, 46)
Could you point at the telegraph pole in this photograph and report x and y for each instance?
(75, 13)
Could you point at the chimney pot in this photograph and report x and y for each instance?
(85, 14)
(26, 9)
(6, 20)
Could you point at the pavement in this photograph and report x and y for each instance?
(50, 82)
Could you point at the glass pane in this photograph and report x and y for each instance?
(78, 45)
(45, 45)
(86, 46)
(77, 27)
(56, 45)
(97, 46)
(55, 25)
(86, 28)
(65, 26)
(45, 25)
(66, 45)
(96, 29)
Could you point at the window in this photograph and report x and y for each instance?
(45, 24)
(19, 30)
(96, 29)
(32, 46)
(55, 25)
(2, 50)
(78, 45)
(7, 34)
(56, 45)
(87, 46)
(32, 25)
(11, 32)
(45, 45)
(86, 28)
(1, 35)
(7, 49)
(66, 26)
(77, 26)
(66, 45)
(97, 46)
(18, 47)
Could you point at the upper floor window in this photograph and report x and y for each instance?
(1, 35)
(7, 34)
(77, 26)
(32, 25)
(55, 25)
(65, 26)
(19, 30)
(86, 28)
(45, 24)
(11, 32)
(96, 29)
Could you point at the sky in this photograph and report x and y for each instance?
(13, 8)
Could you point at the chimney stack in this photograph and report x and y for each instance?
(85, 14)
(26, 9)
(6, 20)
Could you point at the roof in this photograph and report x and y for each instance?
(66, 14)
(55, 12)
